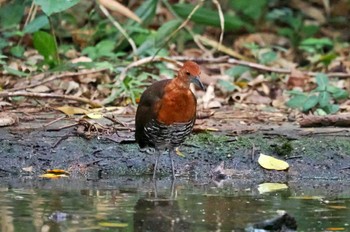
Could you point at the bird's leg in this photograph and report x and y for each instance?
(156, 164)
(172, 163)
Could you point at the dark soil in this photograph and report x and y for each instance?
(29, 149)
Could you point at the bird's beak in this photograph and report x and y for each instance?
(195, 80)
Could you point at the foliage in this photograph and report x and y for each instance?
(321, 100)
(58, 23)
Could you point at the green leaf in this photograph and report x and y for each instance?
(313, 45)
(322, 81)
(331, 108)
(237, 71)
(158, 38)
(17, 51)
(324, 98)
(11, 14)
(46, 46)
(296, 92)
(253, 11)
(296, 101)
(341, 94)
(15, 71)
(146, 11)
(320, 112)
(227, 86)
(54, 6)
(36, 24)
(268, 57)
(310, 102)
(332, 89)
(209, 17)
(166, 29)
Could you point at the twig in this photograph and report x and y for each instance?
(49, 95)
(142, 62)
(64, 137)
(54, 77)
(226, 59)
(54, 121)
(222, 23)
(116, 121)
(63, 127)
(342, 120)
(120, 28)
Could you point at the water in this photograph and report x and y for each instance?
(136, 204)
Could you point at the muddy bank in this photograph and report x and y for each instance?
(28, 149)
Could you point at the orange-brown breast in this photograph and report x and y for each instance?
(177, 105)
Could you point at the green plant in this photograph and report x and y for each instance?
(292, 25)
(321, 100)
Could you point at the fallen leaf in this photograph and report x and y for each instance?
(28, 169)
(271, 187)
(55, 174)
(40, 89)
(57, 171)
(52, 176)
(179, 153)
(94, 115)
(71, 110)
(8, 119)
(271, 163)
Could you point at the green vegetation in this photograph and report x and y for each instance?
(322, 99)
(61, 31)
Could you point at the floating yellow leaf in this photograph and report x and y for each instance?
(71, 110)
(113, 224)
(335, 229)
(337, 206)
(269, 162)
(271, 187)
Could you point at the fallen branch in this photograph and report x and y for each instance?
(50, 95)
(54, 77)
(227, 59)
(341, 120)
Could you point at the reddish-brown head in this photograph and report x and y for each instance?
(189, 73)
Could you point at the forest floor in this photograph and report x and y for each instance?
(223, 146)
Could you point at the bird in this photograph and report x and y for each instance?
(166, 113)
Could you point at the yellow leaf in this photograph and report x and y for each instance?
(105, 109)
(52, 176)
(70, 110)
(337, 206)
(271, 187)
(179, 153)
(94, 115)
(335, 229)
(113, 224)
(269, 162)
(57, 172)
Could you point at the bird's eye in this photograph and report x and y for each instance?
(188, 73)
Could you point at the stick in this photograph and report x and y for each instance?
(226, 59)
(55, 77)
(342, 120)
(49, 95)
